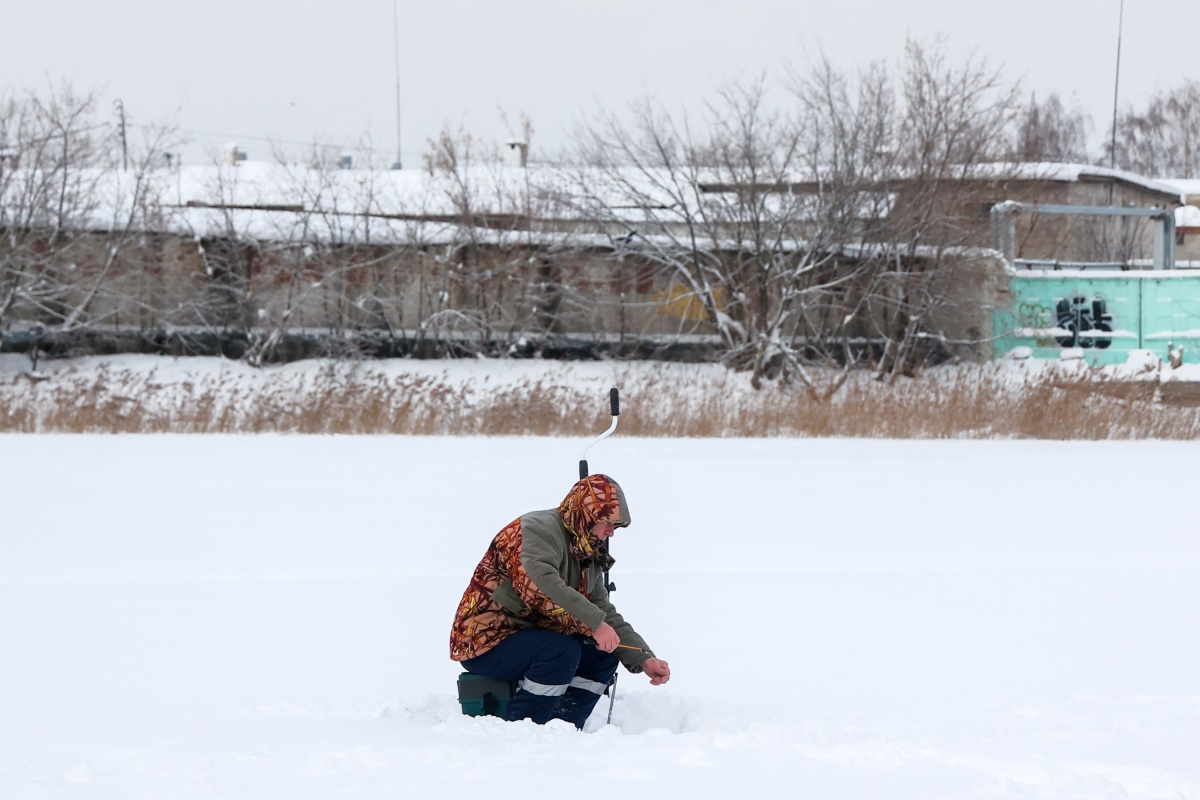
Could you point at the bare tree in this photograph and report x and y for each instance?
(950, 151)
(1163, 139)
(52, 147)
(74, 211)
(850, 130)
(710, 204)
(292, 251)
(821, 236)
(499, 280)
(1049, 131)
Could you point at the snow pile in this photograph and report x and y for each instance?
(194, 617)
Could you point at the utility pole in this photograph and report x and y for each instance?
(1117, 86)
(124, 147)
(396, 31)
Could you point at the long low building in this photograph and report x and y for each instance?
(504, 259)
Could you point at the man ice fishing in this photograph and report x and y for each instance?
(537, 610)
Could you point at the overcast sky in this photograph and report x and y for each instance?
(254, 70)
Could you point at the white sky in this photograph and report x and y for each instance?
(258, 69)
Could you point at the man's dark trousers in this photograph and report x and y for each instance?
(560, 676)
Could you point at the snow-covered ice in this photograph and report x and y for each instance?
(268, 616)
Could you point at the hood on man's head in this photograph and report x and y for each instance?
(592, 499)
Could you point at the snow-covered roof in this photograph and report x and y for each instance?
(1188, 187)
(282, 201)
(294, 202)
(1076, 173)
(993, 171)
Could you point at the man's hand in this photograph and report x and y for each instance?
(606, 638)
(658, 670)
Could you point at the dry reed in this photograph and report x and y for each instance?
(657, 401)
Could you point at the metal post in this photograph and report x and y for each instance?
(1164, 242)
(1004, 228)
(396, 31)
(1116, 88)
(124, 147)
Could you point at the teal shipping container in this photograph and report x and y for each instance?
(1103, 314)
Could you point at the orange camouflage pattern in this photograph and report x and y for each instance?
(481, 623)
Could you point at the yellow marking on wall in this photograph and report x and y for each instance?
(682, 303)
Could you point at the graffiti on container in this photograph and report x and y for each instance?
(1077, 316)
(1035, 316)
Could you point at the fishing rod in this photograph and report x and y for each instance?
(612, 686)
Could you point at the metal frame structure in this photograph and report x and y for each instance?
(1004, 225)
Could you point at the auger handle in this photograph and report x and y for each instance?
(614, 404)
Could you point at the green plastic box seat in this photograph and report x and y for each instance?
(480, 696)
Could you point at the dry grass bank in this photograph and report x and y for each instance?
(980, 402)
